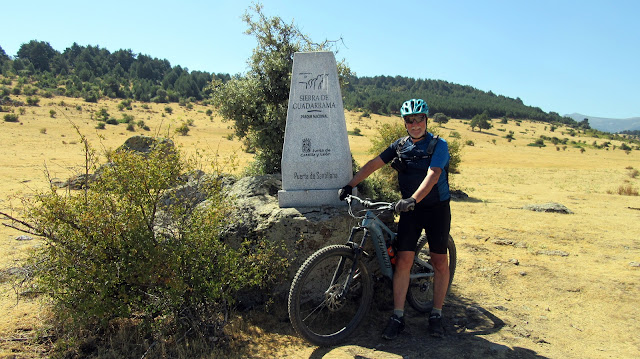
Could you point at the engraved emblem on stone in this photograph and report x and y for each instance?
(313, 82)
(306, 145)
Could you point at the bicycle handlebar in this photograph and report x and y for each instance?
(369, 204)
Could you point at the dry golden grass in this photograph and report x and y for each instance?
(572, 293)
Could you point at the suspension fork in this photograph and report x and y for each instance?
(357, 253)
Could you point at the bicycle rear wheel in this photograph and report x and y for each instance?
(420, 293)
(319, 308)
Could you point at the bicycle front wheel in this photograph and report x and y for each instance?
(420, 293)
(330, 295)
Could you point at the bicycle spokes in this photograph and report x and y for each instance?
(332, 294)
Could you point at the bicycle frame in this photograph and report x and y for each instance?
(372, 226)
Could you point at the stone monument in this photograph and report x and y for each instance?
(316, 159)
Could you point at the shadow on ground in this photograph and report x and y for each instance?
(465, 325)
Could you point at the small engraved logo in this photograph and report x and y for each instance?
(312, 82)
(306, 145)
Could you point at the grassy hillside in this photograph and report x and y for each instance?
(572, 294)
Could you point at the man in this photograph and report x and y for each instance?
(425, 205)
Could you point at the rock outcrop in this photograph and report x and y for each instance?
(304, 230)
(548, 207)
(258, 217)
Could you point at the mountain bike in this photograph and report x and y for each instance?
(332, 291)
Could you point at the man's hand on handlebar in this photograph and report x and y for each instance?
(405, 205)
(344, 192)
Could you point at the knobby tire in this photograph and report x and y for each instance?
(316, 310)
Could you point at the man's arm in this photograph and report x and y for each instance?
(366, 171)
(427, 184)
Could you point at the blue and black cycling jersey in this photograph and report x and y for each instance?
(418, 162)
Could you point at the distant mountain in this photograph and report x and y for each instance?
(612, 125)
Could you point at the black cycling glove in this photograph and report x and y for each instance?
(405, 205)
(344, 192)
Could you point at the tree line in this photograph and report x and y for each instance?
(92, 72)
(383, 94)
(635, 133)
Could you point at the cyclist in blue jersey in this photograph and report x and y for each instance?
(424, 186)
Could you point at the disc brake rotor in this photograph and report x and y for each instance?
(332, 298)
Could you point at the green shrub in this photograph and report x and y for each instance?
(104, 261)
(91, 96)
(102, 114)
(183, 130)
(100, 125)
(537, 143)
(30, 91)
(142, 125)
(33, 101)
(125, 104)
(11, 117)
(126, 119)
(385, 178)
(509, 136)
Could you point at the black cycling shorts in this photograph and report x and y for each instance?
(436, 222)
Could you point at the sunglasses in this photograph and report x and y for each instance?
(411, 119)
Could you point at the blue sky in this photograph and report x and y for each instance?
(564, 56)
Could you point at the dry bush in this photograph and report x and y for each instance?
(625, 190)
